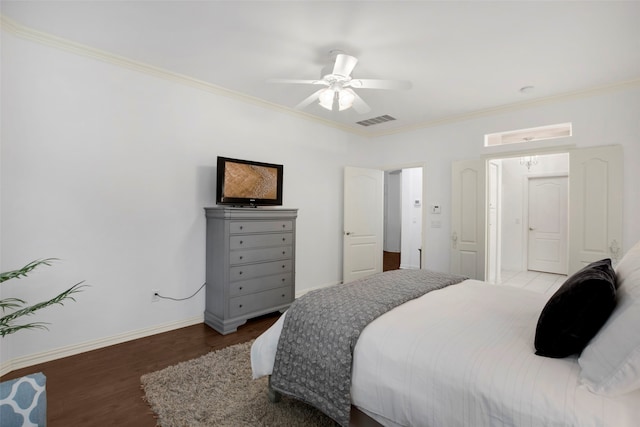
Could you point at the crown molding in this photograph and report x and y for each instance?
(50, 40)
(88, 51)
(598, 90)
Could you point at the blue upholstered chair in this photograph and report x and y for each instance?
(23, 401)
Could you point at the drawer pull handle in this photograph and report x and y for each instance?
(284, 226)
(240, 288)
(240, 272)
(241, 256)
(240, 227)
(282, 295)
(283, 279)
(284, 252)
(240, 241)
(284, 239)
(240, 306)
(283, 266)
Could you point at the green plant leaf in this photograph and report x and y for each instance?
(58, 299)
(6, 322)
(16, 274)
(11, 303)
(10, 329)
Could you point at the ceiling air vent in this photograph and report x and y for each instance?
(376, 120)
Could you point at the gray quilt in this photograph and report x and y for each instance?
(315, 350)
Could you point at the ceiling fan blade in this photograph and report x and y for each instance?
(309, 100)
(359, 105)
(380, 84)
(297, 81)
(344, 64)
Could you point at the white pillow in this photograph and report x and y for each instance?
(611, 361)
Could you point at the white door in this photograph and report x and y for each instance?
(468, 218)
(595, 205)
(494, 246)
(547, 224)
(363, 222)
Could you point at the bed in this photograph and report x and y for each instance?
(465, 355)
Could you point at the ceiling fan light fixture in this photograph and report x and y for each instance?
(326, 98)
(345, 99)
(338, 93)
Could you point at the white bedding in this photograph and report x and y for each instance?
(464, 356)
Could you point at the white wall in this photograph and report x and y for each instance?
(109, 169)
(605, 118)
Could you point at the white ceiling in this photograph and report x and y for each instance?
(462, 57)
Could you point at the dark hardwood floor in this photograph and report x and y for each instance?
(390, 261)
(102, 387)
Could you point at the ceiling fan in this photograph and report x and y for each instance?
(338, 93)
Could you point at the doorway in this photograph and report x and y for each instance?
(402, 219)
(594, 203)
(528, 203)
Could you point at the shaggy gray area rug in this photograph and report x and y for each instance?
(217, 390)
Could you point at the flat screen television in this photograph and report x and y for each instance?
(248, 183)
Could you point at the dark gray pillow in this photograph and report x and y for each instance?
(575, 313)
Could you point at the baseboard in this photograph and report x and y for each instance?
(72, 350)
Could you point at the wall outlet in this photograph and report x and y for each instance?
(154, 295)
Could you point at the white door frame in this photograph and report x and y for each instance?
(494, 257)
(509, 155)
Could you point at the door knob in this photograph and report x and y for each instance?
(531, 228)
(348, 233)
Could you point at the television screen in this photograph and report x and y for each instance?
(248, 183)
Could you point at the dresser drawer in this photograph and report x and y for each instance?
(260, 226)
(260, 240)
(260, 301)
(258, 255)
(250, 271)
(244, 287)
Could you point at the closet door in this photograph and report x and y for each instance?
(548, 232)
(468, 218)
(595, 205)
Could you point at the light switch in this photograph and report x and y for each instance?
(435, 209)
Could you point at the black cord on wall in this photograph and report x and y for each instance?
(181, 299)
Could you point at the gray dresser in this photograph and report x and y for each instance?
(250, 264)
